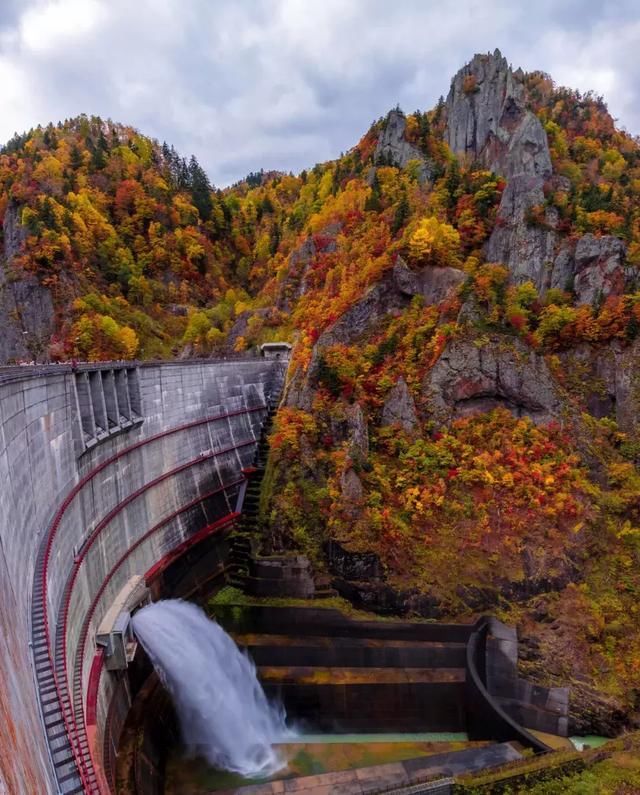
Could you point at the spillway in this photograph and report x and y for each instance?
(223, 711)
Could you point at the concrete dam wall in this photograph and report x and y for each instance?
(105, 470)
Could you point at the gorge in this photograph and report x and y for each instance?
(380, 419)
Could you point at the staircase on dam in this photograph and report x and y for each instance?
(245, 538)
(56, 709)
(284, 575)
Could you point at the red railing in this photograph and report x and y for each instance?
(66, 707)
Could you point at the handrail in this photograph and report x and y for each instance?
(18, 372)
(95, 534)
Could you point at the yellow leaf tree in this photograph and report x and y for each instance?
(435, 242)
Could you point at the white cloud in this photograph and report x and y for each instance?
(286, 83)
(49, 26)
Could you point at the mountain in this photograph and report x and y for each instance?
(460, 428)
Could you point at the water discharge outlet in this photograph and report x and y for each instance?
(223, 712)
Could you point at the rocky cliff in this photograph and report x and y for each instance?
(488, 122)
(448, 436)
(26, 307)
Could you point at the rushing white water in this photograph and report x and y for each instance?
(223, 711)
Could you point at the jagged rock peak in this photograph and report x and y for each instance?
(488, 121)
(394, 149)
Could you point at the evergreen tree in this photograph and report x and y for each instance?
(200, 189)
(372, 203)
(75, 158)
(402, 214)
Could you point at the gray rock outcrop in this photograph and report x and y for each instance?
(527, 250)
(468, 379)
(296, 283)
(599, 268)
(399, 407)
(352, 490)
(358, 432)
(26, 307)
(394, 149)
(592, 267)
(433, 283)
(608, 381)
(488, 122)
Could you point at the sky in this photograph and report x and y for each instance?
(283, 84)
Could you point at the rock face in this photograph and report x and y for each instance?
(394, 149)
(487, 120)
(609, 382)
(528, 251)
(360, 566)
(358, 433)
(469, 379)
(295, 284)
(599, 267)
(399, 408)
(433, 283)
(352, 491)
(26, 308)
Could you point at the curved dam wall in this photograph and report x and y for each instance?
(104, 471)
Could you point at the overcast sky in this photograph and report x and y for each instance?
(245, 84)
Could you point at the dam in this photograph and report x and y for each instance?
(106, 471)
(121, 482)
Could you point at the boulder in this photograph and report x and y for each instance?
(469, 378)
(399, 408)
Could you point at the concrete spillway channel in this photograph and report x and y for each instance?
(106, 471)
(341, 677)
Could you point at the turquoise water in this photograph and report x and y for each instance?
(589, 741)
(405, 737)
(312, 754)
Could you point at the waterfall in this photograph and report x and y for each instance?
(223, 711)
